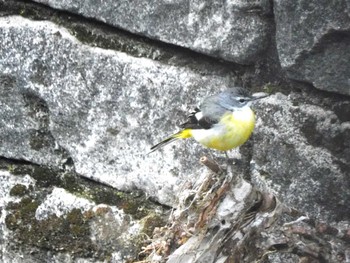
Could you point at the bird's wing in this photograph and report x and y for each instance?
(210, 112)
(196, 120)
(204, 118)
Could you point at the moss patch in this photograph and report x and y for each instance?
(19, 190)
(270, 88)
(45, 176)
(58, 234)
(150, 222)
(132, 203)
(70, 182)
(72, 233)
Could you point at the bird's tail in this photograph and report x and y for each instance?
(186, 133)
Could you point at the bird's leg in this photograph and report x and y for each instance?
(227, 158)
(229, 169)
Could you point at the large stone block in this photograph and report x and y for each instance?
(104, 109)
(302, 151)
(237, 31)
(313, 42)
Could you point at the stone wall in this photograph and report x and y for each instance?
(87, 87)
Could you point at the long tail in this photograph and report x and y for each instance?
(186, 133)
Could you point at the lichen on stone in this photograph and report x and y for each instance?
(19, 190)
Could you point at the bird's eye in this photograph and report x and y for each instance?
(241, 100)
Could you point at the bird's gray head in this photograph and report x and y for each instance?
(231, 99)
(235, 98)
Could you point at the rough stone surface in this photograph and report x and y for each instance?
(313, 42)
(54, 215)
(302, 151)
(105, 108)
(59, 203)
(233, 30)
(76, 119)
(25, 119)
(61, 223)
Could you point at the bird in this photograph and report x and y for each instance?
(222, 122)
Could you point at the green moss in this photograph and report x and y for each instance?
(11, 168)
(75, 216)
(18, 169)
(18, 190)
(23, 210)
(133, 203)
(150, 222)
(70, 233)
(29, 12)
(45, 176)
(78, 224)
(28, 206)
(11, 221)
(272, 88)
(70, 182)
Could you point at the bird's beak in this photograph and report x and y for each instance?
(259, 95)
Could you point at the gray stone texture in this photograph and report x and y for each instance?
(95, 111)
(302, 151)
(105, 108)
(91, 229)
(231, 30)
(313, 42)
(312, 37)
(24, 124)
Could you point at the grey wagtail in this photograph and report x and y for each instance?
(223, 121)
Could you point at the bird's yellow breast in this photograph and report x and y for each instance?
(233, 130)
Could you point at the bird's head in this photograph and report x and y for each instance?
(237, 98)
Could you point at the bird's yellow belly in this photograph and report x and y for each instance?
(233, 130)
